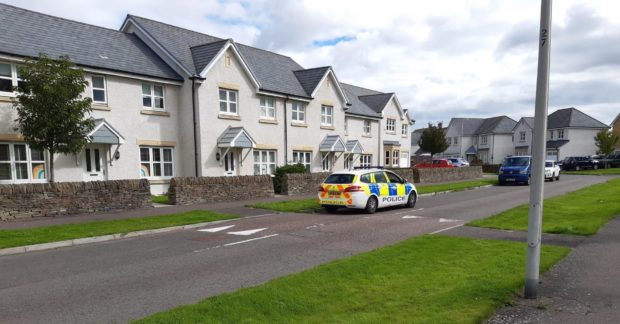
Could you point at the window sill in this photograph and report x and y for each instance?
(367, 135)
(154, 113)
(268, 121)
(4, 98)
(328, 127)
(158, 181)
(100, 106)
(405, 136)
(298, 124)
(230, 117)
(390, 133)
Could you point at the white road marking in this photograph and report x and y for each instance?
(216, 229)
(250, 240)
(261, 215)
(446, 229)
(411, 216)
(248, 232)
(314, 226)
(447, 220)
(408, 211)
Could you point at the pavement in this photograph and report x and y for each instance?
(126, 279)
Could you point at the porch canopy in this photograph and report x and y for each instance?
(235, 137)
(332, 143)
(104, 133)
(354, 147)
(471, 150)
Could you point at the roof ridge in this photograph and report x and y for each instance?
(61, 18)
(314, 68)
(210, 43)
(356, 86)
(377, 94)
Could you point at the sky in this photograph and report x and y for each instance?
(443, 59)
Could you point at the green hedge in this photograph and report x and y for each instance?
(281, 171)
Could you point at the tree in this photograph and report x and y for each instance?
(433, 140)
(51, 112)
(606, 141)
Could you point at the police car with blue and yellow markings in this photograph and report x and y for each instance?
(367, 189)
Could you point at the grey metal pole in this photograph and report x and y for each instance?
(532, 270)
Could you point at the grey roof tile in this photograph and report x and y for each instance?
(354, 146)
(332, 143)
(496, 125)
(376, 102)
(28, 33)
(572, 117)
(556, 144)
(202, 55)
(467, 125)
(310, 78)
(358, 107)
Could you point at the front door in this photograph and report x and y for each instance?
(94, 163)
(404, 160)
(230, 164)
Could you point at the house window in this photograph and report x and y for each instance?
(365, 160)
(153, 96)
(560, 134)
(449, 140)
(395, 155)
(348, 162)
(20, 163)
(9, 78)
(390, 126)
(264, 162)
(346, 126)
(267, 107)
(483, 140)
(326, 161)
(404, 129)
(456, 140)
(521, 136)
(301, 157)
(156, 162)
(98, 87)
(327, 115)
(228, 101)
(550, 134)
(299, 112)
(388, 154)
(366, 127)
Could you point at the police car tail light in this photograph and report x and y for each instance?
(353, 189)
(321, 189)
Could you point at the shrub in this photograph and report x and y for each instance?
(278, 175)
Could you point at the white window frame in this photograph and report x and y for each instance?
(551, 135)
(104, 89)
(162, 163)
(14, 79)
(267, 107)
(303, 157)
(298, 112)
(367, 127)
(404, 130)
(153, 96)
(265, 164)
(326, 163)
(327, 115)
(13, 162)
(456, 140)
(388, 157)
(228, 102)
(365, 160)
(390, 125)
(560, 134)
(483, 140)
(449, 140)
(522, 136)
(395, 157)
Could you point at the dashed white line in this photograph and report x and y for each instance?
(248, 232)
(447, 220)
(250, 240)
(411, 216)
(446, 229)
(216, 229)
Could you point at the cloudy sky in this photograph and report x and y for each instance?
(443, 58)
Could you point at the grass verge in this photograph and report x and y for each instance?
(307, 205)
(612, 171)
(428, 279)
(580, 212)
(37, 235)
(160, 199)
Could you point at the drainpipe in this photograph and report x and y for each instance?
(380, 154)
(493, 151)
(286, 131)
(196, 160)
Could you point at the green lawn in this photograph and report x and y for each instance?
(580, 212)
(612, 171)
(429, 279)
(160, 199)
(21, 237)
(307, 205)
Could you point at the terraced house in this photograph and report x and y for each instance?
(170, 102)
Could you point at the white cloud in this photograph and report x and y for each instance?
(444, 59)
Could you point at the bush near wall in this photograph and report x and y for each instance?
(278, 176)
(59, 198)
(192, 190)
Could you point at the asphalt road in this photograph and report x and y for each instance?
(128, 279)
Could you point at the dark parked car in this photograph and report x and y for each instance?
(580, 163)
(613, 160)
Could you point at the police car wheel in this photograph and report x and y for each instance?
(411, 200)
(371, 205)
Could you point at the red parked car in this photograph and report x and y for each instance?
(439, 163)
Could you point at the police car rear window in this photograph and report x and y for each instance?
(340, 178)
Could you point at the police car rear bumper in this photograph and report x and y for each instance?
(356, 200)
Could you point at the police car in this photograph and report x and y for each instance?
(367, 189)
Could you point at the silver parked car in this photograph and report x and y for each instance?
(459, 162)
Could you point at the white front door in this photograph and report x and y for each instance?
(404, 160)
(230, 164)
(94, 163)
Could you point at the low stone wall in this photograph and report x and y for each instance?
(434, 175)
(411, 174)
(192, 190)
(302, 183)
(41, 200)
